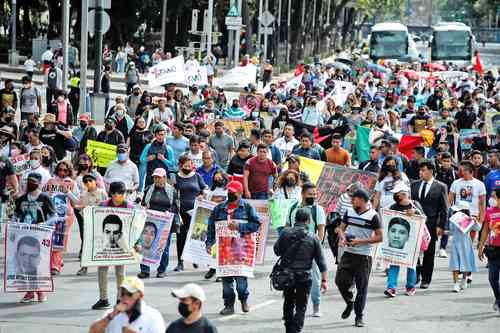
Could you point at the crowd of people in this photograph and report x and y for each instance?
(175, 148)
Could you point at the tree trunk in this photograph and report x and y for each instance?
(247, 21)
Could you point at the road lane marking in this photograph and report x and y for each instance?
(253, 308)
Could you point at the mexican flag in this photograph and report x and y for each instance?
(367, 137)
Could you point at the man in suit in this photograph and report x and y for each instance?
(432, 195)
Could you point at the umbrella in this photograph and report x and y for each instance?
(378, 68)
(341, 66)
(410, 74)
(436, 67)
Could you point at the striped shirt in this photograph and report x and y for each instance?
(361, 226)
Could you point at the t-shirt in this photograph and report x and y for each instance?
(32, 210)
(361, 226)
(203, 325)
(55, 140)
(189, 188)
(29, 65)
(340, 157)
(179, 146)
(196, 158)
(150, 321)
(492, 217)
(223, 145)
(385, 186)
(468, 190)
(419, 122)
(258, 179)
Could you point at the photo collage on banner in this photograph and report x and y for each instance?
(27, 258)
(63, 218)
(110, 235)
(155, 235)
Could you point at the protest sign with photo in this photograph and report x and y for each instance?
(101, 153)
(110, 235)
(279, 209)
(239, 129)
(492, 122)
(195, 250)
(467, 137)
(20, 163)
(196, 75)
(240, 76)
(27, 258)
(167, 71)
(402, 238)
(262, 208)
(462, 221)
(235, 251)
(155, 235)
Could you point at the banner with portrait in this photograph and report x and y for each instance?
(155, 235)
(101, 153)
(195, 249)
(27, 258)
(110, 235)
(235, 251)
(239, 129)
(492, 122)
(20, 163)
(402, 238)
(462, 222)
(467, 137)
(262, 208)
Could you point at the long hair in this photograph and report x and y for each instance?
(280, 182)
(384, 170)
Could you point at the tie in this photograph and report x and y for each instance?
(422, 194)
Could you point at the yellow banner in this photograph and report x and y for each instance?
(101, 153)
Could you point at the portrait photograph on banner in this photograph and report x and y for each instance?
(155, 235)
(195, 249)
(262, 208)
(110, 235)
(235, 251)
(402, 238)
(27, 258)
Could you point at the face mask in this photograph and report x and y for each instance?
(290, 182)
(122, 157)
(255, 114)
(83, 124)
(232, 197)
(8, 119)
(108, 127)
(4, 139)
(83, 166)
(396, 198)
(309, 201)
(186, 171)
(120, 113)
(46, 160)
(31, 187)
(391, 168)
(136, 93)
(34, 164)
(26, 86)
(218, 183)
(184, 310)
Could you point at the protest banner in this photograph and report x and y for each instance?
(462, 221)
(341, 91)
(20, 163)
(195, 249)
(235, 251)
(27, 258)
(402, 238)
(196, 75)
(238, 77)
(492, 122)
(168, 71)
(262, 208)
(101, 153)
(239, 129)
(155, 235)
(110, 235)
(332, 180)
(279, 209)
(467, 137)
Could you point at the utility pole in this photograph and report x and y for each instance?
(65, 41)
(98, 46)
(265, 35)
(288, 31)
(237, 38)
(259, 26)
(13, 32)
(163, 23)
(278, 37)
(83, 55)
(210, 27)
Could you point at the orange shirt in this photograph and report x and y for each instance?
(340, 157)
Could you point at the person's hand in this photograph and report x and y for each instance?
(64, 188)
(324, 286)
(161, 157)
(342, 240)
(119, 308)
(439, 232)
(248, 195)
(209, 250)
(138, 248)
(151, 157)
(234, 225)
(128, 329)
(410, 212)
(354, 242)
(480, 253)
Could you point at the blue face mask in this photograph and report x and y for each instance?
(122, 157)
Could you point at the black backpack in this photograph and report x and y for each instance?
(282, 277)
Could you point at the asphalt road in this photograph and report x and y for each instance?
(434, 310)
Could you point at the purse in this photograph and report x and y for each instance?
(282, 277)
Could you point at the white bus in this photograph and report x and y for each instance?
(452, 42)
(391, 40)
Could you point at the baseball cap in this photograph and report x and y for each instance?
(133, 284)
(234, 186)
(136, 86)
(88, 177)
(190, 290)
(122, 148)
(35, 177)
(160, 172)
(84, 117)
(400, 187)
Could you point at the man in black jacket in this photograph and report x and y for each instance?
(371, 164)
(299, 258)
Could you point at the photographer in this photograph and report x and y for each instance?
(307, 248)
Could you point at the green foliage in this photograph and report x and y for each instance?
(381, 9)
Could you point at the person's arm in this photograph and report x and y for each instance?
(482, 207)
(12, 183)
(319, 258)
(39, 101)
(144, 158)
(246, 174)
(169, 160)
(451, 197)
(377, 237)
(100, 326)
(376, 199)
(484, 236)
(443, 211)
(278, 246)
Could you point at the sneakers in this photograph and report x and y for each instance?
(29, 297)
(244, 306)
(143, 275)
(411, 291)
(179, 268)
(424, 285)
(456, 287)
(358, 322)
(82, 271)
(469, 279)
(210, 274)
(195, 266)
(316, 312)
(391, 292)
(42, 297)
(228, 310)
(442, 253)
(219, 279)
(463, 284)
(161, 275)
(101, 304)
(347, 311)
(495, 306)
(54, 272)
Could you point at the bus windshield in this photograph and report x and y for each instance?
(451, 45)
(388, 44)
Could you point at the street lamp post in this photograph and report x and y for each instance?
(65, 33)
(13, 51)
(163, 23)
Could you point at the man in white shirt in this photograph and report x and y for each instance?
(35, 167)
(286, 143)
(163, 114)
(29, 66)
(131, 314)
(123, 169)
(47, 56)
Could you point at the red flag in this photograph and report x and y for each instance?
(317, 138)
(299, 69)
(478, 67)
(407, 143)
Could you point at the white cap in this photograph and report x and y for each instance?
(190, 290)
(400, 187)
(160, 172)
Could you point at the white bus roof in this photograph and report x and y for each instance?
(451, 26)
(389, 26)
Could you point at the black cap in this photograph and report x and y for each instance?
(122, 148)
(360, 193)
(35, 177)
(88, 177)
(26, 78)
(117, 187)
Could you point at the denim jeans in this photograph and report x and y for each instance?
(228, 289)
(316, 284)
(259, 195)
(494, 277)
(392, 277)
(163, 261)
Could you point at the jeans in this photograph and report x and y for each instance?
(259, 195)
(163, 261)
(392, 277)
(295, 306)
(494, 277)
(228, 289)
(316, 285)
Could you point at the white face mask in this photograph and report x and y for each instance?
(34, 164)
(26, 86)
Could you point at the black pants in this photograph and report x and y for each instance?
(333, 242)
(425, 269)
(49, 96)
(354, 269)
(182, 234)
(295, 305)
(79, 219)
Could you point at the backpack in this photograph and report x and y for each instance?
(52, 78)
(282, 277)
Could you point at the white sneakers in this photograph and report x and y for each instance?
(442, 253)
(463, 284)
(456, 287)
(316, 311)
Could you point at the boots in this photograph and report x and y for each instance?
(228, 310)
(244, 306)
